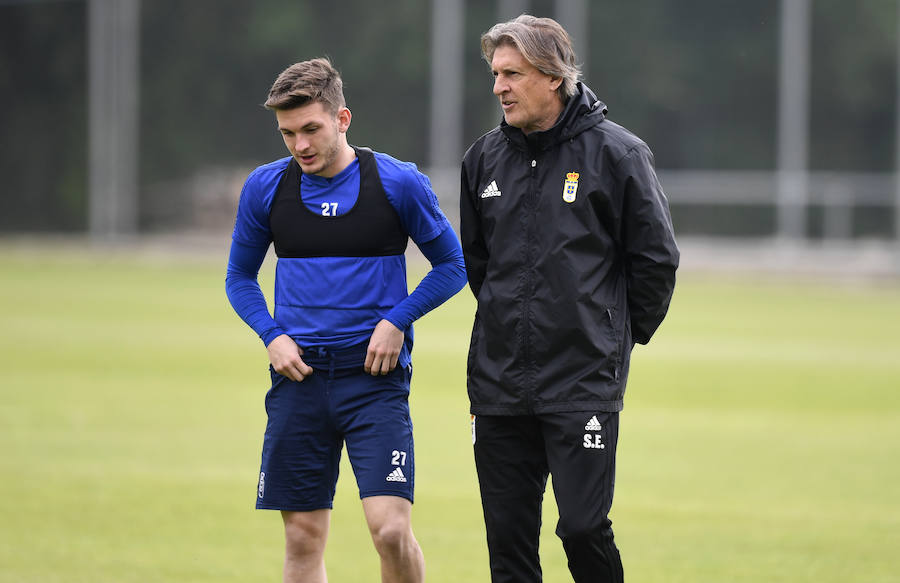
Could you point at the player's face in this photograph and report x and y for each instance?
(528, 97)
(315, 137)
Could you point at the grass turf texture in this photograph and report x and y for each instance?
(759, 441)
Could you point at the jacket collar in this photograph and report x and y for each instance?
(582, 111)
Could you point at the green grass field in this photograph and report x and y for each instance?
(760, 439)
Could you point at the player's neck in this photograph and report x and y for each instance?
(345, 157)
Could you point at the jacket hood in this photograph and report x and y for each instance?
(583, 111)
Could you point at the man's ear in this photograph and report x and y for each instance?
(343, 119)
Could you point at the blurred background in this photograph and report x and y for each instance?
(774, 122)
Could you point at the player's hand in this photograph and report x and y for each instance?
(384, 349)
(284, 354)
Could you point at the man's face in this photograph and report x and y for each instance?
(528, 97)
(314, 136)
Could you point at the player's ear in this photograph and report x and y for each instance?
(343, 119)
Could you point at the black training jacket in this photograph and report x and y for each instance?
(571, 255)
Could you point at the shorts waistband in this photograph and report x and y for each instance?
(323, 357)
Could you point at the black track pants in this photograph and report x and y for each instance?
(513, 456)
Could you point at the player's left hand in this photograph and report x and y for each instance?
(384, 349)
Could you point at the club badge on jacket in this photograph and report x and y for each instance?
(570, 186)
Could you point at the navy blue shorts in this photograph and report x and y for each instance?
(310, 421)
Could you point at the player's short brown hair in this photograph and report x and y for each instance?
(307, 82)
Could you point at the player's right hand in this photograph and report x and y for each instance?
(285, 356)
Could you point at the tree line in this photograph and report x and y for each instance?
(696, 79)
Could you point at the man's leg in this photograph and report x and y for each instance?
(512, 476)
(305, 534)
(390, 523)
(373, 412)
(581, 449)
(299, 470)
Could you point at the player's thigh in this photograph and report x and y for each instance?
(306, 532)
(301, 449)
(387, 512)
(378, 433)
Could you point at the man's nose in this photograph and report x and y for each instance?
(500, 86)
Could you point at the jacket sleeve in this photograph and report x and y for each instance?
(474, 249)
(648, 242)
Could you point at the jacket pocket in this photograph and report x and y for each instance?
(473, 346)
(616, 338)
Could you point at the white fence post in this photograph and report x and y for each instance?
(793, 120)
(447, 28)
(573, 16)
(897, 153)
(113, 79)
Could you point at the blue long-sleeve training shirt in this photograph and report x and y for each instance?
(335, 302)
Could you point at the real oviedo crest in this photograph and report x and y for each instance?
(570, 186)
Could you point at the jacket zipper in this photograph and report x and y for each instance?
(529, 283)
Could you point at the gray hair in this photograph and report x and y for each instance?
(543, 42)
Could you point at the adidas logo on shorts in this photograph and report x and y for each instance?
(593, 425)
(396, 476)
